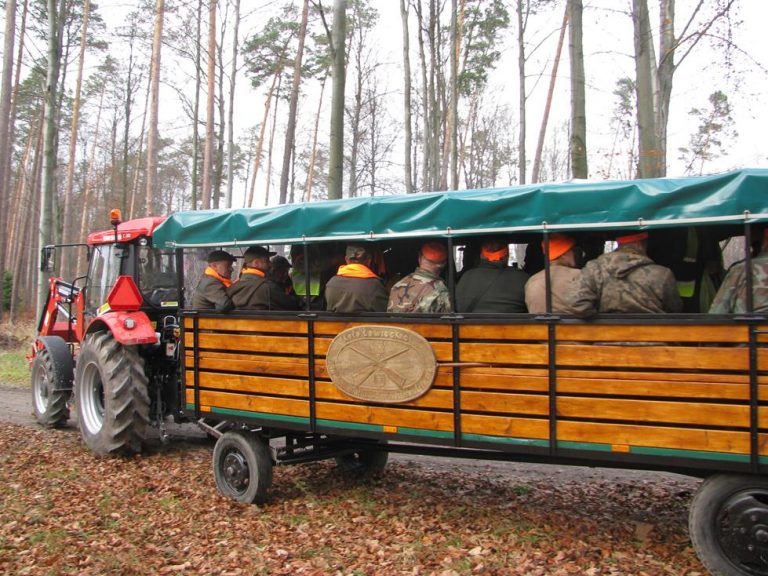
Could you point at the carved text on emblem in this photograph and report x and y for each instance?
(381, 363)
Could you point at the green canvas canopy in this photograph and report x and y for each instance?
(738, 196)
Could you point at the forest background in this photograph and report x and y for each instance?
(161, 105)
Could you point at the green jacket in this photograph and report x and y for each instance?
(344, 294)
(252, 292)
(211, 294)
(491, 287)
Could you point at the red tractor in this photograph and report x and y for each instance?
(109, 340)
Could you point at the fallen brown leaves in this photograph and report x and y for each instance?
(66, 512)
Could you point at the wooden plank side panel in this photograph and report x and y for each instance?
(258, 344)
(251, 384)
(510, 332)
(251, 403)
(250, 364)
(386, 416)
(496, 353)
(727, 391)
(658, 333)
(230, 324)
(537, 429)
(684, 413)
(699, 439)
(649, 357)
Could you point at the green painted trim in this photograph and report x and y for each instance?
(585, 446)
(698, 454)
(505, 440)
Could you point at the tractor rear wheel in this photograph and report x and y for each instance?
(52, 382)
(111, 396)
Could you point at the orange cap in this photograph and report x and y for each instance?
(434, 252)
(632, 238)
(495, 256)
(559, 244)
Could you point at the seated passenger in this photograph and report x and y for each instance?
(423, 291)
(255, 290)
(626, 280)
(492, 286)
(211, 291)
(356, 288)
(280, 272)
(731, 298)
(564, 278)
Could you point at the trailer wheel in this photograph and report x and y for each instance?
(111, 396)
(363, 462)
(242, 467)
(52, 371)
(728, 524)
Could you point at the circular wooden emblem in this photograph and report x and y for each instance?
(381, 363)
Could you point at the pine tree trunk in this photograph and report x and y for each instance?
(231, 133)
(522, 135)
(196, 112)
(260, 142)
(536, 172)
(210, 120)
(407, 134)
(648, 163)
(336, 146)
(5, 134)
(313, 157)
(67, 227)
(153, 136)
(48, 184)
(579, 168)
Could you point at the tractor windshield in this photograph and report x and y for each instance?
(157, 277)
(105, 267)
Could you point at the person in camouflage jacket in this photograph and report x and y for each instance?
(731, 297)
(423, 291)
(626, 280)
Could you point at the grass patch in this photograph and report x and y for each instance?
(14, 369)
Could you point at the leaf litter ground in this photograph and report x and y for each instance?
(66, 512)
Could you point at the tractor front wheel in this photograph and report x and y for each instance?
(52, 382)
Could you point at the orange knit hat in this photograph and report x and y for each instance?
(434, 252)
(632, 238)
(559, 244)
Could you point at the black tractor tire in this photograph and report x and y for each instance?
(111, 396)
(52, 373)
(242, 467)
(363, 462)
(728, 524)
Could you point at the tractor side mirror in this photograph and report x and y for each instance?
(47, 259)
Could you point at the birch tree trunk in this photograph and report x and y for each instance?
(407, 135)
(336, 145)
(579, 168)
(154, 106)
(205, 190)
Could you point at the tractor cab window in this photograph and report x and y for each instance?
(157, 277)
(105, 267)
